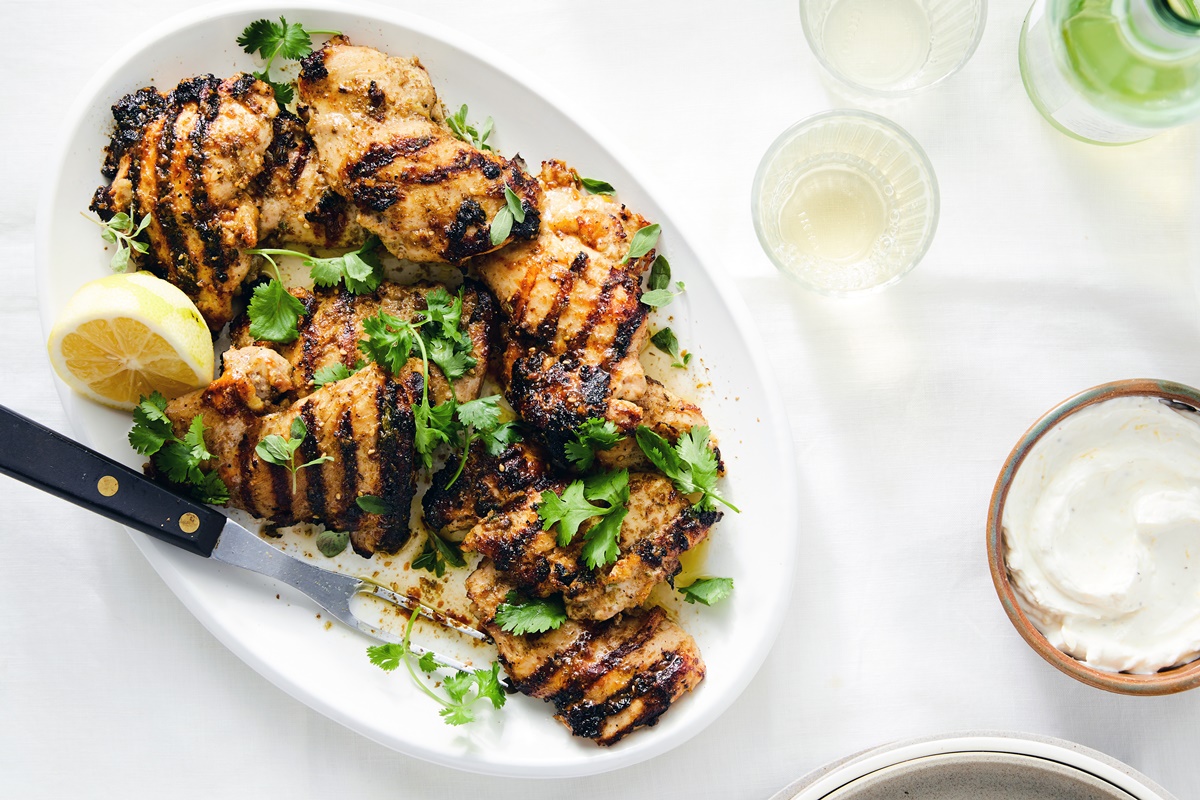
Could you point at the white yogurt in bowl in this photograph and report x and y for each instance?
(1101, 534)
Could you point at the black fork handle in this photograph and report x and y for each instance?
(40, 457)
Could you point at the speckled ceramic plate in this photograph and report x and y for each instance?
(976, 766)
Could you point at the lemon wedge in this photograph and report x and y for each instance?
(128, 335)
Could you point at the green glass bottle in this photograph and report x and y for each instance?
(1113, 71)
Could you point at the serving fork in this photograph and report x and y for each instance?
(47, 460)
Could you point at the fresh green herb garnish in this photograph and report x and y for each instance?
(463, 689)
(594, 434)
(643, 242)
(178, 459)
(120, 230)
(436, 334)
(372, 504)
(572, 509)
(281, 450)
(437, 553)
(593, 186)
(665, 341)
(274, 311)
(503, 222)
(269, 39)
(480, 419)
(468, 132)
(690, 464)
(334, 372)
(359, 269)
(523, 615)
(332, 543)
(708, 591)
(660, 279)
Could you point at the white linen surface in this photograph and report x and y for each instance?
(1056, 266)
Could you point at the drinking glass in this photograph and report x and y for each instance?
(892, 48)
(845, 202)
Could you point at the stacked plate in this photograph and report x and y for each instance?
(980, 766)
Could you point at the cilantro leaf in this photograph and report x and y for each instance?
(594, 434)
(608, 487)
(281, 450)
(211, 489)
(332, 373)
(151, 427)
(665, 341)
(437, 553)
(389, 340)
(568, 511)
(270, 39)
(450, 361)
(488, 686)
(120, 230)
(274, 313)
(708, 591)
(177, 459)
(643, 242)
(428, 663)
(499, 438)
(458, 714)
(691, 464)
(600, 542)
(593, 186)
(522, 616)
(388, 656)
(483, 413)
(332, 543)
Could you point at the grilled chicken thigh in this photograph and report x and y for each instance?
(333, 326)
(605, 679)
(188, 159)
(385, 146)
(296, 203)
(574, 323)
(497, 498)
(364, 423)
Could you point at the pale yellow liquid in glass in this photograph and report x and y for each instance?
(834, 214)
(876, 43)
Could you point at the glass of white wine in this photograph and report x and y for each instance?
(892, 48)
(845, 202)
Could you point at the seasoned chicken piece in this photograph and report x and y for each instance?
(605, 679)
(486, 484)
(574, 322)
(667, 415)
(363, 423)
(333, 326)
(385, 146)
(188, 159)
(660, 526)
(296, 203)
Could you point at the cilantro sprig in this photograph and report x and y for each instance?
(436, 334)
(658, 283)
(594, 434)
(270, 39)
(178, 459)
(462, 689)
(359, 269)
(502, 223)
(468, 132)
(437, 553)
(522, 615)
(281, 450)
(480, 419)
(574, 507)
(708, 591)
(274, 311)
(690, 464)
(665, 341)
(121, 231)
(332, 373)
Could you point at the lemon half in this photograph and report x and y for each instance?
(127, 335)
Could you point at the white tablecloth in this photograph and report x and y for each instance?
(1056, 266)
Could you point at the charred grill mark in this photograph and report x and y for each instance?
(208, 106)
(548, 328)
(348, 444)
(181, 267)
(312, 66)
(331, 215)
(685, 530)
(132, 114)
(281, 493)
(565, 658)
(528, 228)
(379, 156)
(653, 688)
(245, 468)
(469, 234)
(394, 446)
(242, 86)
(314, 476)
(491, 171)
(344, 308)
(374, 197)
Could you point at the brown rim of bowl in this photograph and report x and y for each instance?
(1168, 681)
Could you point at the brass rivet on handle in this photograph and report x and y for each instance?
(107, 486)
(189, 523)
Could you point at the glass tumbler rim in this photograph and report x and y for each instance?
(855, 116)
(891, 94)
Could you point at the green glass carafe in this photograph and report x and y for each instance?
(1113, 71)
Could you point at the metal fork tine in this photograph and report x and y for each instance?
(431, 614)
